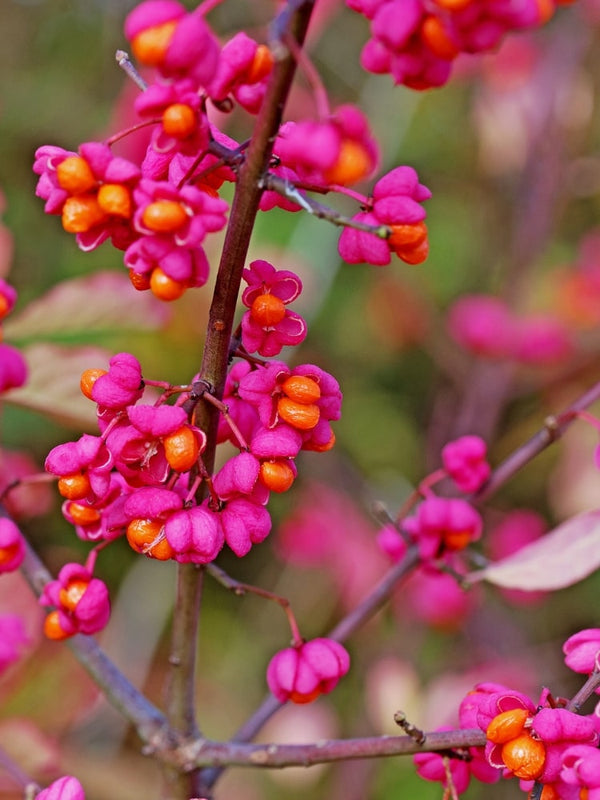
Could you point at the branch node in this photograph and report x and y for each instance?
(552, 427)
(411, 730)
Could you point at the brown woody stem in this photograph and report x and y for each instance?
(244, 209)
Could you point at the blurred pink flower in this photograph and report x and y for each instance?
(482, 325)
(436, 599)
(442, 523)
(327, 530)
(12, 639)
(465, 461)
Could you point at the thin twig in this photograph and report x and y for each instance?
(291, 192)
(122, 59)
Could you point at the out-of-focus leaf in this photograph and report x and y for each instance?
(52, 387)
(97, 303)
(561, 558)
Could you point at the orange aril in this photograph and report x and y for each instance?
(353, 164)
(320, 448)
(302, 699)
(507, 725)
(115, 199)
(74, 487)
(5, 306)
(179, 120)
(261, 66)
(545, 9)
(435, 36)
(407, 235)
(298, 415)
(301, 389)
(81, 212)
(164, 216)
(181, 449)
(524, 756)
(88, 379)
(72, 593)
(277, 475)
(453, 5)
(456, 540)
(550, 793)
(150, 46)
(52, 627)
(8, 553)
(267, 310)
(139, 280)
(414, 255)
(164, 287)
(75, 175)
(82, 515)
(141, 533)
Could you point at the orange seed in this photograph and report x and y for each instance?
(277, 475)
(139, 280)
(150, 46)
(404, 236)
(88, 379)
(456, 540)
(298, 415)
(147, 536)
(114, 198)
(179, 120)
(52, 627)
(353, 164)
(164, 287)
(74, 487)
(164, 216)
(181, 449)
(524, 757)
(301, 389)
(75, 175)
(72, 593)
(81, 212)
(267, 310)
(82, 515)
(261, 66)
(507, 725)
(436, 38)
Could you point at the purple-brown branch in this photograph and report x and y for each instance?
(292, 22)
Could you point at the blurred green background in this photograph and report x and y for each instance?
(407, 391)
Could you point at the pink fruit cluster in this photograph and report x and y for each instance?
(441, 526)
(416, 41)
(143, 476)
(160, 212)
(486, 327)
(541, 742)
(81, 603)
(303, 673)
